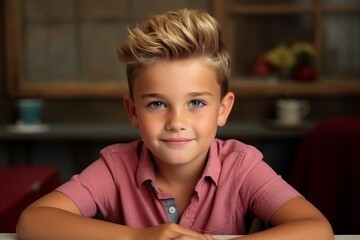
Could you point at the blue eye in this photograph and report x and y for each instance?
(196, 104)
(156, 105)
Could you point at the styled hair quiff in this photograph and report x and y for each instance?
(176, 35)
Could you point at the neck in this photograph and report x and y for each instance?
(179, 174)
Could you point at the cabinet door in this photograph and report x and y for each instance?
(254, 35)
(341, 48)
(67, 48)
(252, 28)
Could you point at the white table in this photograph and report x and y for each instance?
(12, 236)
(337, 237)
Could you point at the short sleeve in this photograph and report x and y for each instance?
(265, 191)
(93, 188)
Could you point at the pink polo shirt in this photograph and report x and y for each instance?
(235, 182)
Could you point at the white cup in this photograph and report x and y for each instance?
(292, 111)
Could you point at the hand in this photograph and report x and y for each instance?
(169, 231)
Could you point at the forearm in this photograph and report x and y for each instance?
(51, 223)
(298, 230)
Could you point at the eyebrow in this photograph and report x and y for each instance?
(159, 95)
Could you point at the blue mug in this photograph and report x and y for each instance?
(30, 111)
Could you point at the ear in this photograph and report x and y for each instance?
(225, 108)
(131, 110)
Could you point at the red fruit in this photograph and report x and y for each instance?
(260, 67)
(305, 73)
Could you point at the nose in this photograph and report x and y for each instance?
(176, 120)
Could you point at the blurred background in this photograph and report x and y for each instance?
(63, 53)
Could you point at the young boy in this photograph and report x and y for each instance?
(178, 181)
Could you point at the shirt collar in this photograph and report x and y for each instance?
(145, 169)
(213, 167)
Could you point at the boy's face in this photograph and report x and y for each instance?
(177, 108)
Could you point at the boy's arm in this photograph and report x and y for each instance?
(296, 219)
(55, 216)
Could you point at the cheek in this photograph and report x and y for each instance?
(150, 123)
(206, 123)
(147, 130)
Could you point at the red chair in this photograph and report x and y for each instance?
(326, 171)
(20, 186)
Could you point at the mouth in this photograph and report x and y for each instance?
(176, 141)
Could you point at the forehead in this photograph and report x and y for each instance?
(176, 75)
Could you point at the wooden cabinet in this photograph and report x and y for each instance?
(66, 49)
(253, 27)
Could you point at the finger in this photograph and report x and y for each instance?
(187, 237)
(208, 237)
(190, 234)
(195, 235)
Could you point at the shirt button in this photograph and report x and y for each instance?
(172, 210)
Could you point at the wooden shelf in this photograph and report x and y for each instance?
(290, 9)
(73, 90)
(341, 9)
(253, 10)
(270, 88)
(242, 87)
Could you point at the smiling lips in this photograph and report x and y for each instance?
(176, 141)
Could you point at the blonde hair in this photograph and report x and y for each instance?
(176, 35)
